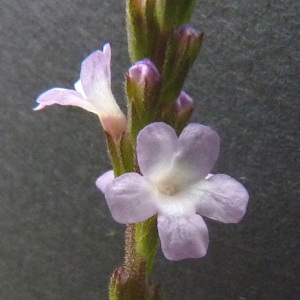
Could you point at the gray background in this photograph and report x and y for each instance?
(57, 238)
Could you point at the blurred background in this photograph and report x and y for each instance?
(57, 237)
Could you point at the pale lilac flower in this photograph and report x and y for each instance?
(92, 92)
(176, 184)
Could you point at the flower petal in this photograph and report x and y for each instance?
(223, 199)
(183, 237)
(130, 198)
(94, 84)
(155, 146)
(196, 154)
(104, 180)
(79, 88)
(95, 73)
(63, 97)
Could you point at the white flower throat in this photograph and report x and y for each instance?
(167, 188)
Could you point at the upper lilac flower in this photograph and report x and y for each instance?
(92, 92)
(176, 184)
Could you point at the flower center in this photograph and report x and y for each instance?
(167, 189)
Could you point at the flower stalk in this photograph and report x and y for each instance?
(157, 42)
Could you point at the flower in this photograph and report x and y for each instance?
(92, 92)
(176, 185)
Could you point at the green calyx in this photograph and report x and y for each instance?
(171, 14)
(181, 52)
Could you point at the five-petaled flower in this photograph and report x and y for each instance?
(176, 185)
(92, 92)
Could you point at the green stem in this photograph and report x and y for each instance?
(131, 280)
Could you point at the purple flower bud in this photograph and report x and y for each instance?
(120, 276)
(182, 50)
(184, 102)
(143, 83)
(144, 72)
(188, 35)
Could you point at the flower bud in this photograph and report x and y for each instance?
(184, 103)
(126, 284)
(145, 76)
(187, 38)
(184, 107)
(141, 28)
(182, 51)
(178, 113)
(143, 83)
(118, 282)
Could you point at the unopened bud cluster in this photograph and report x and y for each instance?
(163, 47)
